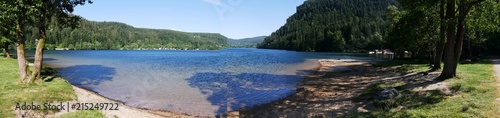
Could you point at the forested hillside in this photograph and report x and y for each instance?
(333, 25)
(91, 35)
(246, 42)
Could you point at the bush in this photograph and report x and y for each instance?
(48, 71)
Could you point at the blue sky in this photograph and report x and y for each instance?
(231, 18)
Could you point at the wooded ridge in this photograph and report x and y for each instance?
(92, 35)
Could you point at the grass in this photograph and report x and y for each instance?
(83, 114)
(474, 94)
(12, 91)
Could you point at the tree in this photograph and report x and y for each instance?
(45, 10)
(18, 11)
(4, 44)
(6, 34)
(456, 21)
(453, 18)
(39, 13)
(439, 50)
(413, 30)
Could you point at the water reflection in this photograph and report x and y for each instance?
(232, 91)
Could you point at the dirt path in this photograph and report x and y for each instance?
(496, 67)
(85, 96)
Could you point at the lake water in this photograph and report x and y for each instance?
(202, 83)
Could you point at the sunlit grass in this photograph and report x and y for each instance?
(12, 91)
(84, 114)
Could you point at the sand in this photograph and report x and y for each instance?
(85, 96)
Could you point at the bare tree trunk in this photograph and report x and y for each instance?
(449, 59)
(442, 39)
(38, 55)
(431, 52)
(21, 59)
(40, 45)
(464, 10)
(454, 44)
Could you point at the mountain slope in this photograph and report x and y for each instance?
(246, 42)
(114, 35)
(332, 25)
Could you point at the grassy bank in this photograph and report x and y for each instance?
(51, 89)
(473, 95)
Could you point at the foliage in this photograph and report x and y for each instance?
(12, 91)
(246, 42)
(333, 25)
(414, 31)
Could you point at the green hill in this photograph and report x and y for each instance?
(332, 25)
(245, 42)
(93, 35)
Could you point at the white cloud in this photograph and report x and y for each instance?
(214, 2)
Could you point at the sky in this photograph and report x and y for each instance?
(232, 18)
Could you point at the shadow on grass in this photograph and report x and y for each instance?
(232, 91)
(411, 99)
(87, 74)
(408, 99)
(406, 66)
(48, 78)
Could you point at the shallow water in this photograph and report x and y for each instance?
(202, 83)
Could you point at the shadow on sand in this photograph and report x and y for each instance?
(232, 91)
(87, 74)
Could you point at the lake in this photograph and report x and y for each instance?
(202, 83)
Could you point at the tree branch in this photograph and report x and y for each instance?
(476, 2)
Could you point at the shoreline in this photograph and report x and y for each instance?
(125, 111)
(324, 66)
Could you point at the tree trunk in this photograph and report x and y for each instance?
(6, 51)
(431, 53)
(21, 59)
(38, 55)
(40, 45)
(449, 59)
(442, 39)
(454, 44)
(464, 10)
